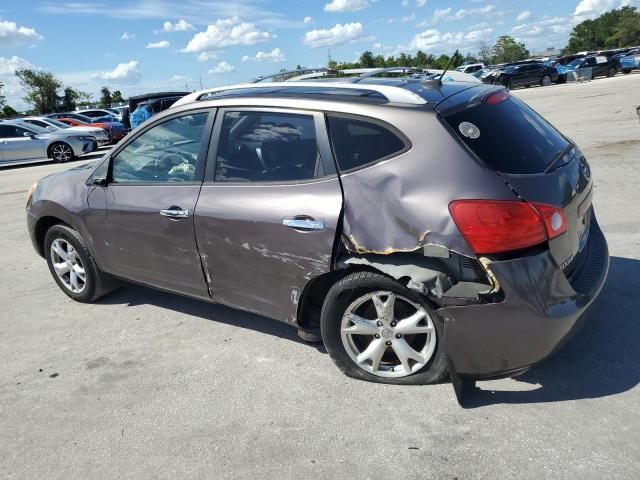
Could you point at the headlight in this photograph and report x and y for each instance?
(32, 189)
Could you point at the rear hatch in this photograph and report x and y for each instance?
(538, 162)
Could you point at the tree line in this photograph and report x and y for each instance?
(47, 94)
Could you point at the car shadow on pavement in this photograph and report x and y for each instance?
(131, 294)
(602, 359)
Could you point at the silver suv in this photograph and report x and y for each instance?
(417, 228)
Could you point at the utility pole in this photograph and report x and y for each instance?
(200, 83)
(328, 57)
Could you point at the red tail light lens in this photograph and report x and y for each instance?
(497, 97)
(495, 226)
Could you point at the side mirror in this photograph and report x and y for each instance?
(29, 134)
(99, 181)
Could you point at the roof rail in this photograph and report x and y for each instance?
(284, 73)
(378, 71)
(391, 93)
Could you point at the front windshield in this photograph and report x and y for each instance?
(575, 63)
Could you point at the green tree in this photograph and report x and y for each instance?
(507, 50)
(70, 99)
(8, 112)
(41, 89)
(105, 97)
(3, 99)
(366, 60)
(421, 59)
(615, 28)
(116, 95)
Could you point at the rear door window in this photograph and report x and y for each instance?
(358, 142)
(508, 136)
(259, 146)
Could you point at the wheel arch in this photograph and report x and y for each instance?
(42, 226)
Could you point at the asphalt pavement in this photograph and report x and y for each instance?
(146, 384)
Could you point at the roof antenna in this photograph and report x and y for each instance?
(455, 54)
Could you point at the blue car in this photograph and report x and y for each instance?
(630, 62)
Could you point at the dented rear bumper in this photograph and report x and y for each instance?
(540, 311)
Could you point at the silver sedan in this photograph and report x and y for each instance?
(22, 143)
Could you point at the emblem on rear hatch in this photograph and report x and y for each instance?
(469, 130)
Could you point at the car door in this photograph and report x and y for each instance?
(269, 209)
(591, 67)
(18, 143)
(142, 220)
(535, 74)
(519, 75)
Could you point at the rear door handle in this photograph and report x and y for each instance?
(174, 213)
(306, 224)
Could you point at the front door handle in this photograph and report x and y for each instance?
(305, 224)
(174, 213)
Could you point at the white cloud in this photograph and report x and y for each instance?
(11, 35)
(434, 40)
(349, 32)
(123, 73)
(206, 56)
(225, 33)
(346, 5)
(421, 3)
(465, 12)
(274, 56)
(161, 44)
(440, 13)
(127, 36)
(180, 78)
(593, 8)
(8, 66)
(222, 68)
(307, 20)
(179, 26)
(524, 15)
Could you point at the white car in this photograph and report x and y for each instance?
(470, 68)
(100, 134)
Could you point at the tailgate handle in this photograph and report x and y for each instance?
(306, 224)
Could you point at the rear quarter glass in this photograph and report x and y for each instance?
(507, 135)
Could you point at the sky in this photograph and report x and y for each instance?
(137, 46)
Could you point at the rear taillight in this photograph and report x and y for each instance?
(496, 226)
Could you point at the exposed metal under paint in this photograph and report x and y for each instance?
(352, 245)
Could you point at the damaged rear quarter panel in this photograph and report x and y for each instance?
(402, 204)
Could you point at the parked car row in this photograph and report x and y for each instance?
(536, 72)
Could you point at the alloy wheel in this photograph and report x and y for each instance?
(546, 81)
(68, 266)
(388, 335)
(62, 152)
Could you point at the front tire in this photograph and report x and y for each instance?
(73, 267)
(545, 81)
(612, 72)
(377, 330)
(61, 152)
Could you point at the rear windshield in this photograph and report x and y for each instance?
(508, 136)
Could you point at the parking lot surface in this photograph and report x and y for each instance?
(146, 384)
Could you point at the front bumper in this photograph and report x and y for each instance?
(540, 311)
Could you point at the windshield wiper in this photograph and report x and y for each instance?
(558, 157)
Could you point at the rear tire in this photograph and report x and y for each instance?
(545, 81)
(392, 350)
(612, 72)
(73, 267)
(61, 152)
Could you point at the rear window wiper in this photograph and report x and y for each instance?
(559, 157)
